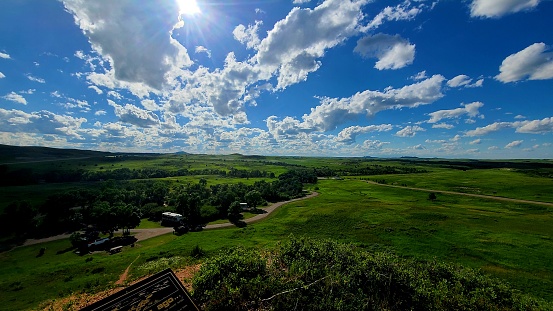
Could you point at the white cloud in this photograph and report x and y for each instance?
(134, 115)
(469, 109)
(418, 147)
(301, 1)
(136, 39)
(442, 126)
(529, 127)
(498, 8)
(519, 116)
(43, 122)
(464, 81)
(295, 43)
(496, 126)
(392, 52)
(248, 35)
(4, 55)
(419, 76)
(202, 49)
(476, 142)
(14, 97)
(401, 11)
(348, 134)
(514, 144)
(2, 75)
(536, 126)
(373, 144)
(533, 63)
(96, 89)
(100, 113)
(333, 112)
(35, 79)
(409, 131)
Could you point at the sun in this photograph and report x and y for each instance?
(188, 7)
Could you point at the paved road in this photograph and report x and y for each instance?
(143, 234)
(465, 194)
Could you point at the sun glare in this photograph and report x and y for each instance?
(188, 7)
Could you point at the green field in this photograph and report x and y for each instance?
(510, 241)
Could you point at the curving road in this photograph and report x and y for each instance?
(143, 234)
(482, 196)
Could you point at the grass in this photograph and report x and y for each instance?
(148, 224)
(508, 240)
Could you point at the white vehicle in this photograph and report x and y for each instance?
(171, 218)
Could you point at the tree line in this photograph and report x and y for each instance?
(27, 176)
(121, 204)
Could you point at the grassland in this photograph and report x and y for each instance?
(511, 241)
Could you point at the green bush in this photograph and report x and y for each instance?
(324, 275)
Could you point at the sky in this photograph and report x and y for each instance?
(426, 78)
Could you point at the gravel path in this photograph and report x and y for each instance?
(143, 234)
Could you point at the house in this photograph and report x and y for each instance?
(171, 219)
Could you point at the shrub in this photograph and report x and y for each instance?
(324, 275)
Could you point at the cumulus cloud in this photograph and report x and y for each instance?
(35, 79)
(535, 126)
(43, 122)
(528, 126)
(14, 97)
(409, 131)
(476, 142)
(333, 112)
(419, 76)
(442, 126)
(301, 1)
(134, 115)
(295, 43)
(4, 55)
(136, 39)
(403, 11)
(203, 49)
(464, 81)
(533, 63)
(498, 8)
(469, 109)
(373, 144)
(349, 134)
(2, 75)
(514, 144)
(96, 89)
(248, 35)
(392, 52)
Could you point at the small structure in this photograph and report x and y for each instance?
(171, 219)
(244, 206)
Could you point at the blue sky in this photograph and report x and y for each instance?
(455, 79)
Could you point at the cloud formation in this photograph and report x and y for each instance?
(134, 38)
(469, 109)
(409, 131)
(392, 52)
(333, 112)
(464, 81)
(16, 98)
(534, 63)
(498, 8)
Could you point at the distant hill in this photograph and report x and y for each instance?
(11, 154)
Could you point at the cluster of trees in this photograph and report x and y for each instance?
(307, 274)
(116, 204)
(367, 170)
(28, 176)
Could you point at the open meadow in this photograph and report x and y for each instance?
(506, 240)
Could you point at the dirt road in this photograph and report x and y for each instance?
(465, 194)
(143, 234)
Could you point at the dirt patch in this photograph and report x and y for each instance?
(78, 301)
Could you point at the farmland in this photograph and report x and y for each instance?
(506, 240)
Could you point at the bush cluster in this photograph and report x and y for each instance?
(307, 274)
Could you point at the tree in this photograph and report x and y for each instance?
(128, 217)
(432, 196)
(234, 211)
(253, 198)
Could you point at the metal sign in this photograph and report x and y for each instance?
(160, 292)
